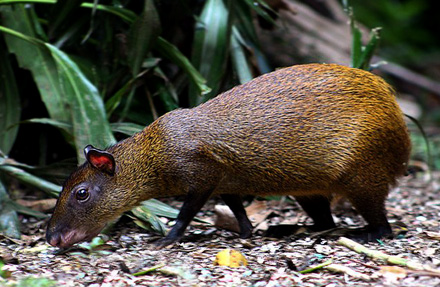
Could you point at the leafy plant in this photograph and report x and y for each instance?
(361, 55)
(103, 71)
(409, 29)
(35, 282)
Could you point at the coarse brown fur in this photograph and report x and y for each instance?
(309, 131)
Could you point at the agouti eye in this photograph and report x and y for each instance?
(82, 194)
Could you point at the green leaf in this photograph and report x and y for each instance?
(27, 178)
(61, 15)
(369, 50)
(245, 24)
(149, 218)
(356, 44)
(209, 55)
(115, 100)
(4, 273)
(126, 128)
(166, 91)
(34, 58)
(149, 270)
(239, 59)
(148, 212)
(69, 96)
(9, 223)
(26, 210)
(142, 36)
(36, 282)
(90, 123)
(261, 7)
(72, 31)
(10, 107)
(126, 15)
(169, 51)
(160, 209)
(429, 155)
(67, 127)
(361, 55)
(96, 242)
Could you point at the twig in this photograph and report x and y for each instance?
(347, 270)
(431, 235)
(365, 264)
(329, 265)
(151, 103)
(424, 273)
(151, 269)
(359, 248)
(316, 267)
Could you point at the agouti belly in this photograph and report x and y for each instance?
(309, 131)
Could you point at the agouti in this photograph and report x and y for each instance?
(310, 131)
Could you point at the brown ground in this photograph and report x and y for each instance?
(272, 262)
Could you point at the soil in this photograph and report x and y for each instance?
(413, 209)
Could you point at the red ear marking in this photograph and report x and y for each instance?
(100, 159)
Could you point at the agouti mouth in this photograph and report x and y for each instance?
(69, 238)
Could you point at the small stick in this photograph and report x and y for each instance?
(316, 267)
(365, 264)
(347, 270)
(359, 248)
(151, 269)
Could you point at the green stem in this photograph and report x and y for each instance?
(316, 267)
(20, 35)
(106, 8)
(154, 268)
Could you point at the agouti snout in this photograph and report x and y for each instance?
(310, 131)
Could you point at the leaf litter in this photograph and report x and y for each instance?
(129, 257)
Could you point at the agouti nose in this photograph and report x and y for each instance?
(53, 239)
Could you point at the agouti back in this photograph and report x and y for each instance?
(310, 131)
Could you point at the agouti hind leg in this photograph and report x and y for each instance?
(194, 201)
(371, 205)
(234, 202)
(318, 208)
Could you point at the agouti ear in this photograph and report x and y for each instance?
(100, 159)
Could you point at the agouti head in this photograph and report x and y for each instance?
(107, 184)
(84, 194)
(309, 131)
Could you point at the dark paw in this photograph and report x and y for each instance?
(370, 234)
(164, 242)
(283, 230)
(246, 233)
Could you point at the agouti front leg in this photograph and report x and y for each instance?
(236, 205)
(193, 203)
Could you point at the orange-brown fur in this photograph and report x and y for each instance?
(304, 130)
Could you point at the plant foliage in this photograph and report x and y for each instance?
(89, 73)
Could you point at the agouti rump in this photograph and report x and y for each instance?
(309, 131)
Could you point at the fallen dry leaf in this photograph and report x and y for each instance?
(230, 258)
(258, 211)
(392, 273)
(225, 218)
(42, 205)
(36, 249)
(431, 235)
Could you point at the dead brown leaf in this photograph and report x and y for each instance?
(42, 205)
